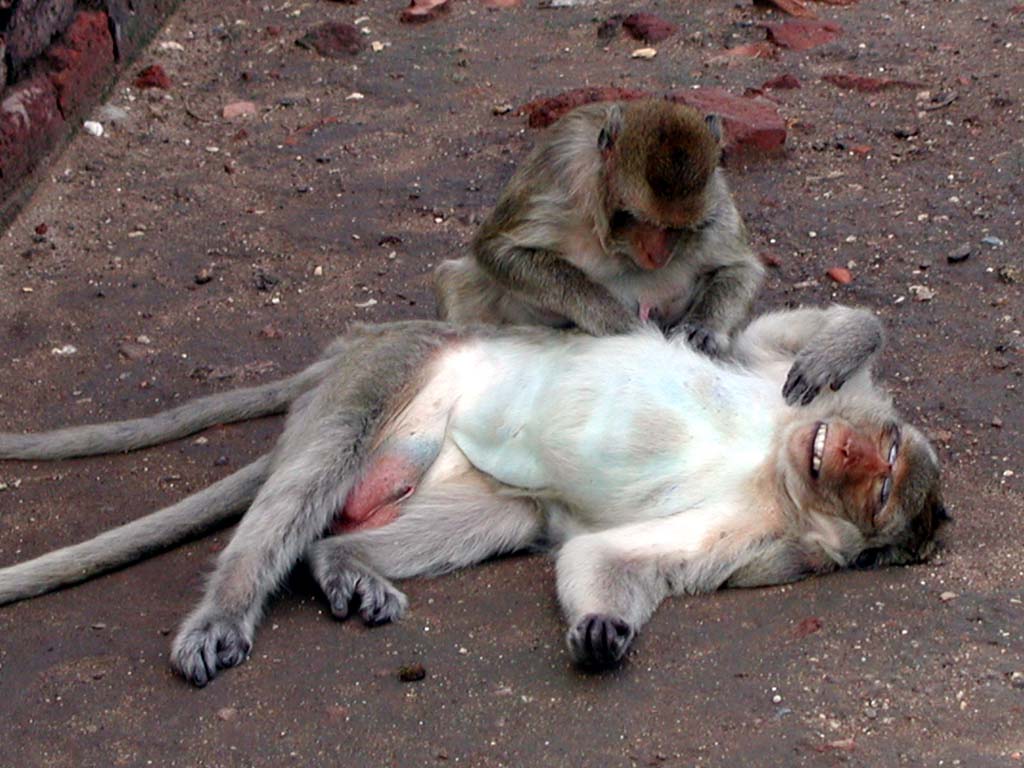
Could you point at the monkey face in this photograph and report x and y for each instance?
(882, 477)
(647, 245)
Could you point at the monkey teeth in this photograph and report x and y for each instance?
(818, 449)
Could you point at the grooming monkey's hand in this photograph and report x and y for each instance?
(599, 641)
(208, 643)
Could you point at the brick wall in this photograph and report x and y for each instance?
(57, 58)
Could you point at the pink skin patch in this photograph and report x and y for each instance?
(375, 500)
(645, 311)
(652, 245)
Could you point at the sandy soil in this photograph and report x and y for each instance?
(323, 208)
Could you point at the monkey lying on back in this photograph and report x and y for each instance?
(620, 215)
(658, 471)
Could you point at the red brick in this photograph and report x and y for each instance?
(648, 28)
(81, 64)
(33, 24)
(792, 7)
(867, 84)
(543, 112)
(803, 35)
(30, 122)
(423, 10)
(751, 124)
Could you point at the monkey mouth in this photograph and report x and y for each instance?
(818, 448)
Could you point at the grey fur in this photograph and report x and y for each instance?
(522, 271)
(186, 419)
(192, 516)
(611, 576)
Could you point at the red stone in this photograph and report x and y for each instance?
(30, 122)
(792, 7)
(866, 84)
(761, 50)
(42, 229)
(153, 76)
(751, 124)
(543, 112)
(840, 274)
(648, 28)
(808, 626)
(803, 35)
(861, 149)
(82, 62)
(424, 10)
(781, 83)
(334, 39)
(770, 259)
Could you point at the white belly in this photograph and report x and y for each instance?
(622, 428)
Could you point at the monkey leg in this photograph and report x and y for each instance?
(318, 460)
(442, 526)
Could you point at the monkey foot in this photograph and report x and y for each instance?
(599, 642)
(379, 602)
(206, 645)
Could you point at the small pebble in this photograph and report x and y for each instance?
(644, 53)
(411, 673)
(947, 596)
(93, 128)
(960, 254)
(992, 240)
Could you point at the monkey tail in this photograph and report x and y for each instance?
(215, 505)
(186, 419)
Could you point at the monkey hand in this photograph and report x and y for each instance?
(813, 370)
(599, 641)
(703, 339)
(207, 643)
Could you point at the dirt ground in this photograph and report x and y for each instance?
(183, 253)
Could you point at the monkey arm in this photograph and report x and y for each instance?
(723, 296)
(610, 582)
(545, 279)
(820, 347)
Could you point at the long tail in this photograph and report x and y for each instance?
(186, 419)
(215, 505)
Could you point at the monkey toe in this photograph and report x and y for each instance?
(340, 592)
(599, 642)
(380, 603)
(203, 649)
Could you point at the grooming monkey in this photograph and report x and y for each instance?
(426, 447)
(620, 215)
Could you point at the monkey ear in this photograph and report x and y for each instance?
(714, 124)
(610, 131)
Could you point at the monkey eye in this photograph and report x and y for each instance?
(886, 491)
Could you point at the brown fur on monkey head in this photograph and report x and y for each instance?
(659, 160)
(661, 156)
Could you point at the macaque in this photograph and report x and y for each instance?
(620, 216)
(653, 470)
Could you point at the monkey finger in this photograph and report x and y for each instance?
(599, 642)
